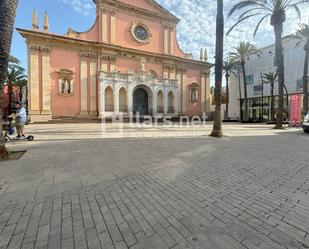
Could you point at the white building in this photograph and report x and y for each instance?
(255, 66)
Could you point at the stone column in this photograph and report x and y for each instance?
(101, 100)
(176, 102)
(116, 100)
(207, 90)
(166, 39)
(154, 103)
(130, 100)
(104, 26)
(203, 93)
(93, 87)
(34, 88)
(113, 30)
(46, 88)
(165, 101)
(84, 86)
(184, 93)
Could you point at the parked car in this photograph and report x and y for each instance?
(306, 123)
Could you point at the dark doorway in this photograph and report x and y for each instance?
(140, 101)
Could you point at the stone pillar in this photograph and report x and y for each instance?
(154, 103)
(93, 87)
(203, 93)
(130, 100)
(165, 101)
(46, 88)
(172, 40)
(207, 95)
(179, 99)
(84, 86)
(166, 39)
(116, 100)
(113, 27)
(104, 26)
(184, 93)
(176, 102)
(34, 84)
(101, 100)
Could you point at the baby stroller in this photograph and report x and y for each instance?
(9, 130)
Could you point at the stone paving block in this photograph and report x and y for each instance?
(105, 240)
(92, 239)
(6, 235)
(67, 243)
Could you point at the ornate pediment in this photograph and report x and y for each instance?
(139, 6)
(72, 33)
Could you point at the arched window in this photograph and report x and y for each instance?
(193, 92)
(160, 107)
(171, 102)
(123, 100)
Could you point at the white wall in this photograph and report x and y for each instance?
(294, 66)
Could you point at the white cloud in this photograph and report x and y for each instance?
(84, 7)
(197, 26)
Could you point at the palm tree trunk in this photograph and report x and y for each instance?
(272, 103)
(217, 126)
(280, 73)
(245, 91)
(227, 96)
(305, 108)
(7, 19)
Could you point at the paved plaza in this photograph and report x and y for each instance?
(75, 188)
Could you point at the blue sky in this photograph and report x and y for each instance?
(196, 29)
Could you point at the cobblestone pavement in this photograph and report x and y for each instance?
(242, 191)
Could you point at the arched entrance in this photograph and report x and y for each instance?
(171, 108)
(140, 101)
(109, 99)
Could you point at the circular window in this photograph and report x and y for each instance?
(140, 32)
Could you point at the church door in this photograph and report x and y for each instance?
(140, 102)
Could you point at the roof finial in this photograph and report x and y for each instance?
(46, 22)
(35, 24)
(202, 54)
(206, 55)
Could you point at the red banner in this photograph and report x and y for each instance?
(296, 106)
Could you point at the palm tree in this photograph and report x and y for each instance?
(241, 54)
(303, 35)
(271, 79)
(7, 19)
(228, 66)
(276, 11)
(217, 126)
(15, 76)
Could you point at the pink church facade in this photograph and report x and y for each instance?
(128, 62)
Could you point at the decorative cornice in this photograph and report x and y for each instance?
(100, 47)
(38, 47)
(88, 54)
